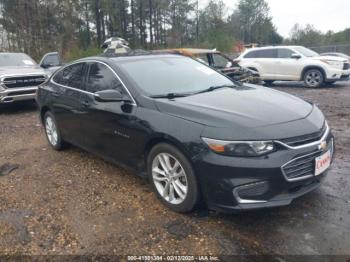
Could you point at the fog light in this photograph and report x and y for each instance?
(246, 194)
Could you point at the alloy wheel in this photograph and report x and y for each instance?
(169, 178)
(51, 131)
(314, 78)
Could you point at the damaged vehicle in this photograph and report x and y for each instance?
(220, 62)
(193, 132)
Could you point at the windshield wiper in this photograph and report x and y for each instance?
(170, 95)
(213, 88)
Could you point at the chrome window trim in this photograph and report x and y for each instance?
(86, 92)
(316, 143)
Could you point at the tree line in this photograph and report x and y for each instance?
(79, 27)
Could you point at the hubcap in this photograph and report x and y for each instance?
(314, 78)
(170, 178)
(51, 131)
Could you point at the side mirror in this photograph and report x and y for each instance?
(296, 56)
(110, 95)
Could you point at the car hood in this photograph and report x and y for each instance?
(21, 70)
(248, 106)
(330, 58)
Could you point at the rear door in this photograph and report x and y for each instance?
(265, 61)
(267, 58)
(67, 107)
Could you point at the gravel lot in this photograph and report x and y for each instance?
(72, 202)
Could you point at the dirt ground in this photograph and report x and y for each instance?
(72, 202)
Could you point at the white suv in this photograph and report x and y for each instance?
(295, 63)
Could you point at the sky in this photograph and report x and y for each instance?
(323, 14)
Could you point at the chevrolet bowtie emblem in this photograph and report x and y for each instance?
(323, 146)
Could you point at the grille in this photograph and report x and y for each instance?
(305, 139)
(301, 167)
(23, 81)
(18, 93)
(346, 66)
(304, 166)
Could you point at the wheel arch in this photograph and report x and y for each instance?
(43, 111)
(307, 68)
(163, 138)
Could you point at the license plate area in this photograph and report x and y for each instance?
(322, 163)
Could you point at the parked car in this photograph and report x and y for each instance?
(295, 63)
(51, 62)
(20, 76)
(337, 55)
(219, 61)
(194, 132)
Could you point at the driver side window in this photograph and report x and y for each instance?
(285, 53)
(101, 78)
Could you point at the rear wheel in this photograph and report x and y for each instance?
(52, 133)
(313, 78)
(172, 178)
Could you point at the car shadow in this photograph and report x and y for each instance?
(289, 84)
(18, 107)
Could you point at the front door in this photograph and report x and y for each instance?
(109, 127)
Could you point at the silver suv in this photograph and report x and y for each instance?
(20, 75)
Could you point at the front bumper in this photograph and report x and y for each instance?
(11, 95)
(337, 75)
(222, 178)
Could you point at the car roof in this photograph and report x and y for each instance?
(125, 58)
(269, 47)
(188, 51)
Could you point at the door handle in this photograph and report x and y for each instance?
(85, 103)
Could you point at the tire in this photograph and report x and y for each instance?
(52, 132)
(268, 82)
(181, 191)
(313, 78)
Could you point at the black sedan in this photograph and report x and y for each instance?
(192, 131)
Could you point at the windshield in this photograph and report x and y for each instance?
(15, 59)
(171, 75)
(306, 52)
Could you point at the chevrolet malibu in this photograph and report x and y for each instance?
(193, 132)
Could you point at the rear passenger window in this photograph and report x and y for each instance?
(265, 53)
(252, 54)
(71, 76)
(268, 53)
(102, 78)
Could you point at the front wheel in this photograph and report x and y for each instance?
(313, 78)
(172, 178)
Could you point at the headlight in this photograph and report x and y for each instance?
(240, 148)
(333, 63)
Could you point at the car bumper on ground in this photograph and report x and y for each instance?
(17, 94)
(237, 184)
